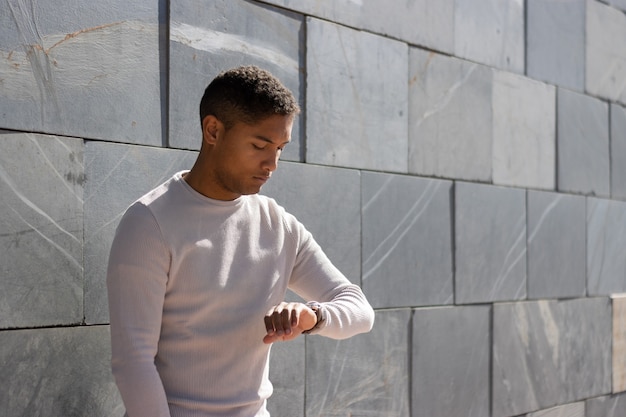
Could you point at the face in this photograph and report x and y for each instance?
(244, 156)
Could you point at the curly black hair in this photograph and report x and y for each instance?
(246, 94)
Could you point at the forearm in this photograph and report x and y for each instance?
(133, 347)
(141, 389)
(347, 314)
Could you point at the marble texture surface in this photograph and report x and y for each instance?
(549, 352)
(328, 202)
(618, 4)
(450, 361)
(619, 343)
(346, 377)
(41, 230)
(406, 244)
(607, 406)
(117, 175)
(87, 70)
(357, 98)
(490, 242)
(555, 42)
(420, 87)
(490, 32)
(450, 117)
(207, 38)
(606, 238)
(556, 245)
(524, 148)
(568, 410)
(605, 70)
(58, 372)
(583, 144)
(287, 373)
(419, 22)
(618, 151)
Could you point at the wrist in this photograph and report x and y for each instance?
(320, 316)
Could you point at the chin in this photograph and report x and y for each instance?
(251, 191)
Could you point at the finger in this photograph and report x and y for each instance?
(270, 318)
(282, 321)
(285, 320)
(269, 325)
(276, 319)
(294, 318)
(268, 339)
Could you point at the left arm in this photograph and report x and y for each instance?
(345, 310)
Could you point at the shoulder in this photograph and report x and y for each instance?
(145, 209)
(154, 196)
(276, 212)
(161, 201)
(266, 203)
(271, 206)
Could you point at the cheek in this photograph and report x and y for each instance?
(245, 161)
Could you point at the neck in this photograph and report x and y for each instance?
(202, 179)
(195, 179)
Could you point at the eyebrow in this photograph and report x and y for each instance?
(268, 140)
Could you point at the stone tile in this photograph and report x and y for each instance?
(556, 245)
(356, 105)
(549, 352)
(618, 4)
(58, 372)
(41, 230)
(346, 377)
(490, 32)
(287, 375)
(207, 38)
(419, 22)
(451, 356)
(407, 247)
(490, 229)
(450, 117)
(583, 144)
(608, 406)
(328, 202)
(619, 343)
(117, 175)
(524, 137)
(606, 238)
(618, 151)
(76, 69)
(605, 52)
(568, 410)
(555, 42)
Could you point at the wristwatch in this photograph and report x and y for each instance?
(319, 314)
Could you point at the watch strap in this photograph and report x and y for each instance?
(319, 314)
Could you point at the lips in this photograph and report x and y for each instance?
(262, 178)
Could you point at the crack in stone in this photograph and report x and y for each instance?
(75, 34)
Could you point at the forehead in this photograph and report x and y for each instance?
(275, 128)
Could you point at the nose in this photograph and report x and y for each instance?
(270, 163)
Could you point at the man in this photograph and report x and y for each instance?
(199, 268)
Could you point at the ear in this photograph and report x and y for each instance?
(212, 129)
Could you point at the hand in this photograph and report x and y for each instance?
(286, 321)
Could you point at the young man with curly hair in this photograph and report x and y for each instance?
(200, 266)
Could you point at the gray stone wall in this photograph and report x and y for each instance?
(464, 161)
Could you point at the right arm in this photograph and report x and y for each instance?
(136, 281)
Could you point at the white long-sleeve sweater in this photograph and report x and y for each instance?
(189, 282)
